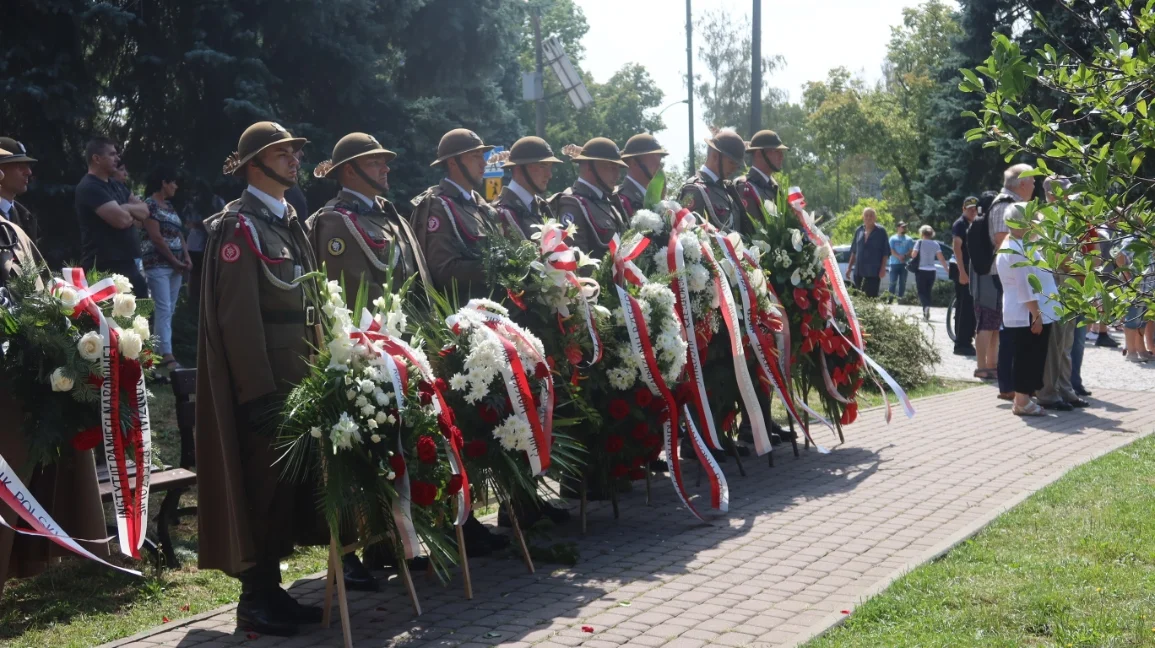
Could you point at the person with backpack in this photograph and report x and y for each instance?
(984, 236)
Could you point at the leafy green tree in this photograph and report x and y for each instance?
(725, 51)
(841, 230)
(1095, 130)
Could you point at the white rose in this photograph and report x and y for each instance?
(68, 297)
(368, 410)
(130, 342)
(376, 438)
(90, 346)
(380, 418)
(123, 305)
(350, 394)
(61, 382)
(140, 325)
(123, 285)
(315, 432)
(371, 424)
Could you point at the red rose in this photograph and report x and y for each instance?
(614, 443)
(425, 391)
(619, 409)
(397, 465)
(636, 474)
(643, 397)
(488, 414)
(440, 384)
(422, 493)
(427, 449)
(454, 485)
(640, 432)
(619, 470)
(88, 439)
(801, 298)
(475, 449)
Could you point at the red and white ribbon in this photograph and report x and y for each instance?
(508, 334)
(719, 489)
(130, 500)
(560, 266)
(402, 509)
(390, 349)
(19, 498)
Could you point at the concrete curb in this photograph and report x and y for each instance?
(835, 620)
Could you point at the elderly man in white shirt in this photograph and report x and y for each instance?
(1027, 313)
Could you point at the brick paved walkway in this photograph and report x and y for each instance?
(803, 542)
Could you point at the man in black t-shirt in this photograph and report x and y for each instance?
(964, 311)
(108, 220)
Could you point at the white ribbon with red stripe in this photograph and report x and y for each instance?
(507, 334)
(560, 267)
(130, 502)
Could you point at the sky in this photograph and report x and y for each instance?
(813, 35)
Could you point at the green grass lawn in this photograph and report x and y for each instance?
(1074, 565)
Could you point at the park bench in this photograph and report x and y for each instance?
(173, 482)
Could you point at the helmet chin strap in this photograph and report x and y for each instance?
(474, 185)
(766, 158)
(601, 184)
(537, 191)
(646, 170)
(273, 174)
(381, 189)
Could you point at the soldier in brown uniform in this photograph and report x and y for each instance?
(767, 155)
(520, 205)
(359, 234)
(709, 192)
(67, 489)
(643, 157)
(589, 202)
(17, 168)
(256, 331)
(449, 219)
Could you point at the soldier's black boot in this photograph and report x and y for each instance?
(357, 576)
(293, 609)
(259, 610)
(379, 556)
(479, 540)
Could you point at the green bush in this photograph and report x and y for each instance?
(897, 342)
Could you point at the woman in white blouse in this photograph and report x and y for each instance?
(1027, 314)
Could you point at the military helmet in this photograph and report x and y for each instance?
(765, 140)
(529, 150)
(458, 141)
(599, 149)
(13, 152)
(349, 148)
(729, 144)
(257, 138)
(643, 144)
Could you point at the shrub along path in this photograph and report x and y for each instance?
(804, 543)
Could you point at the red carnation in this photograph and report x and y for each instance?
(636, 474)
(425, 391)
(422, 493)
(619, 409)
(454, 485)
(427, 449)
(614, 443)
(88, 439)
(619, 470)
(475, 449)
(440, 384)
(801, 298)
(397, 465)
(488, 414)
(640, 432)
(643, 397)
(456, 438)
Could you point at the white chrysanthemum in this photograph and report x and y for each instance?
(123, 305)
(821, 253)
(60, 381)
(691, 247)
(368, 410)
(140, 325)
(661, 259)
(458, 382)
(345, 432)
(361, 401)
(491, 306)
(122, 283)
(514, 434)
(796, 239)
(647, 221)
(699, 277)
(130, 343)
(622, 378)
(657, 294)
(90, 346)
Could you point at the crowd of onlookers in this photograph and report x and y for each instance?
(1006, 311)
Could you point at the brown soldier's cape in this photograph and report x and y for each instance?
(67, 489)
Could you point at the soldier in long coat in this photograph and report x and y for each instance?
(709, 191)
(767, 155)
(255, 335)
(520, 205)
(17, 168)
(589, 203)
(643, 157)
(359, 235)
(67, 489)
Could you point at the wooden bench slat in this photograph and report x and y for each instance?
(162, 480)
